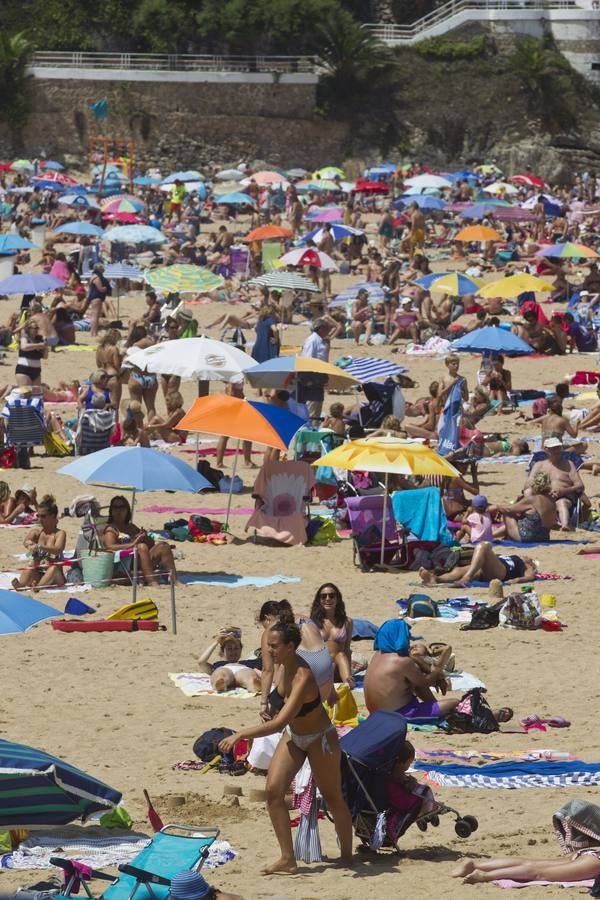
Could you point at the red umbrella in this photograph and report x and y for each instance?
(57, 177)
(371, 187)
(529, 180)
(4, 167)
(127, 217)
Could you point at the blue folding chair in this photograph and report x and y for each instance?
(148, 876)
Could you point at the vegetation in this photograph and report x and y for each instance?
(14, 50)
(446, 48)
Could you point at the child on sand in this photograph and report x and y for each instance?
(477, 521)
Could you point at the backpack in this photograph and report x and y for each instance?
(206, 747)
(213, 475)
(472, 715)
(421, 606)
(484, 617)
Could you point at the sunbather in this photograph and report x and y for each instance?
(580, 866)
(485, 566)
(531, 518)
(45, 544)
(231, 671)
(121, 534)
(15, 508)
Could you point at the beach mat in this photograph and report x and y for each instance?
(200, 510)
(234, 581)
(510, 543)
(75, 625)
(197, 684)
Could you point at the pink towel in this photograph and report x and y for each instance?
(200, 510)
(508, 883)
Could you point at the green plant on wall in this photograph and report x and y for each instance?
(14, 100)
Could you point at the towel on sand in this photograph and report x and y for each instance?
(197, 684)
(508, 883)
(7, 577)
(234, 581)
(513, 774)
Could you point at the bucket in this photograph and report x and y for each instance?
(547, 601)
(97, 567)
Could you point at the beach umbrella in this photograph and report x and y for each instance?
(279, 372)
(190, 186)
(479, 233)
(183, 279)
(199, 358)
(80, 228)
(31, 283)
(296, 173)
(423, 201)
(127, 218)
(52, 165)
(514, 285)
(55, 178)
(122, 205)
(492, 340)
(19, 612)
(110, 169)
(420, 182)
(265, 179)
(135, 234)
(25, 189)
(328, 172)
(317, 186)
(326, 214)
(387, 455)
(11, 242)
(513, 214)
(22, 165)
(529, 180)
(285, 281)
(146, 181)
(478, 211)
(384, 170)
(500, 187)
(552, 206)
(229, 175)
(308, 257)
(338, 233)
(117, 271)
(375, 293)
(45, 185)
(245, 420)
(370, 187)
(79, 201)
(235, 198)
(567, 251)
(189, 175)
(370, 368)
(37, 789)
(268, 233)
(450, 283)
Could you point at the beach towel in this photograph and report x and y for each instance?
(482, 757)
(197, 684)
(464, 681)
(235, 581)
(523, 460)
(200, 510)
(508, 883)
(510, 774)
(7, 577)
(509, 543)
(540, 576)
(422, 512)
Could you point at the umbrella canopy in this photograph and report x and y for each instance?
(51, 164)
(236, 198)
(552, 206)
(388, 454)
(12, 242)
(135, 234)
(55, 178)
(122, 205)
(477, 233)
(370, 187)
(79, 200)
(370, 368)
(375, 292)
(200, 357)
(146, 180)
(245, 420)
(265, 179)
(278, 373)
(450, 283)
(32, 283)
(567, 251)
(22, 165)
(80, 228)
(317, 186)
(39, 789)
(297, 172)
(285, 281)
(19, 612)
(478, 211)
(136, 468)
(513, 214)
(189, 175)
(329, 172)
(117, 271)
(338, 233)
(268, 233)
(420, 182)
(382, 170)
(423, 201)
(492, 340)
(128, 218)
(183, 279)
(500, 187)
(327, 214)
(230, 175)
(529, 180)
(514, 285)
(308, 257)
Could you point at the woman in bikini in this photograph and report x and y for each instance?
(485, 566)
(45, 544)
(583, 865)
(231, 670)
(109, 359)
(307, 733)
(143, 386)
(530, 519)
(328, 612)
(121, 534)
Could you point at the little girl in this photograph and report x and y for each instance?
(335, 419)
(477, 522)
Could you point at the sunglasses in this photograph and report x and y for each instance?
(119, 506)
(326, 594)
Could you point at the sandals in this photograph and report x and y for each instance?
(534, 722)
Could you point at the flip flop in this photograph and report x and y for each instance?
(532, 723)
(556, 722)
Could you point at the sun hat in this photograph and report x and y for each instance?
(188, 885)
(552, 442)
(479, 501)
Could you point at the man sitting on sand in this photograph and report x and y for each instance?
(566, 485)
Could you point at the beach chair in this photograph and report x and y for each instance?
(92, 439)
(148, 876)
(25, 428)
(577, 460)
(90, 539)
(366, 519)
(282, 492)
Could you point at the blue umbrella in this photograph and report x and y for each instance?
(79, 200)
(478, 211)
(423, 201)
(373, 289)
(135, 234)
(120, 270)
(80, 228)
(492, 340)
(338, 232)
(463, 175)
(19, 612)
(236, 198)
(146, 180)
(55, 186)
(11, 242)
(369, 368)
(52, 165)
(39, 789)
(136, 468)
(111, 170)
(189, 175)
(462, 285)
(375, 172)
(31, 283)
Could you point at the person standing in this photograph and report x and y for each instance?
(32, 350)
(267, 344)
(311, 387)
(99, 289)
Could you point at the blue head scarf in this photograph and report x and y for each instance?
(393, 637)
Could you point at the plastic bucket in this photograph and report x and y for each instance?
(97, 567)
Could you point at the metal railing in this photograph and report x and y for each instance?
(394, 33)
(172, 62)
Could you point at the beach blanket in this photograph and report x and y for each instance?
(509, 543)
(523, 460)
(197, 684)
(508, 883)
(200, 510)
(421, 511)
(235, 581)
(512, 774)
(7, 577)
(482, 757)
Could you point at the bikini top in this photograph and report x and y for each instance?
(277, 701)
(339, 637)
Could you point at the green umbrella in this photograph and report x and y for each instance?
(184, 279)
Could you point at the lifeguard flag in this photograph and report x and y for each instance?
(100, 108)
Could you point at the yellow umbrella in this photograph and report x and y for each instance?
(388, 455)
(477, 233)
(514, 285)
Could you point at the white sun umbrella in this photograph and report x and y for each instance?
(198, 358)
(285, 281)
(230, 175)
(500, 187)
(428, 181)
(302, 256)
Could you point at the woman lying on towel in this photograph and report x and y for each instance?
(485, 566)
(45, 544)
(121, 534)
(230, 671)
(580, 866)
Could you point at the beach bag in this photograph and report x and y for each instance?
(7, 458)
(521, 610)
(55, 445)
(229, 485)
(472, 715)
(206, 747)
(421, 606)
(324, 533)
(484, 617)
(97, 567)
(577, 825)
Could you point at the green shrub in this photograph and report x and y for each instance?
(446, 48)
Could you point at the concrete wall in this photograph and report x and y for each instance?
(185, 122)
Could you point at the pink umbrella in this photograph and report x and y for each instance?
(308, 257)
(529, 180)
(57, 177)
(328, 214)
(513, 214)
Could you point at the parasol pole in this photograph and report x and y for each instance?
(173, 605)
(385, 499)
(134, 579)
(197, 449)
(235, 459)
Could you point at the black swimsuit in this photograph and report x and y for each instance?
(276, 701)
(514, 565)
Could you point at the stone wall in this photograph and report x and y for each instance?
(184, 124)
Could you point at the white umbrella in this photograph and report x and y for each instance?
(304, 256)
(285, 281)
(199, 358)
(230, 175)
(428, 181)
(500, 187)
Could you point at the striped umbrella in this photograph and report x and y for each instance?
(183, 279)
(120, 270)
(39, 789)
(326, 214)
(122, 204)
(373, 289)
(135, 234)
(55, 178)
(338, 233)
(567, 251)
(309, 257)
(450, 283)
(285, 281)
(370, 368)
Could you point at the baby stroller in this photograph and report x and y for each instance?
(369, 753)
(380, 404)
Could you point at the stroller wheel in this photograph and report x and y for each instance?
(435, 821)
(472, 822)
(462, 828)
(421, 824)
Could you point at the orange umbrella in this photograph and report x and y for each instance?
(246, 420)
(477, 233)
(268, 233)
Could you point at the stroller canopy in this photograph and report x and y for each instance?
(377, 741)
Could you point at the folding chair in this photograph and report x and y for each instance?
(366, 519)
(92, 439)
(282, 492)
(25, 428)
(148, 876)
(90, 538)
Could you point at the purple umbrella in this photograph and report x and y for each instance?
(513, 214)
(328, 214)
(32, 283)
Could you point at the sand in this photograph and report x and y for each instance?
(105, 702)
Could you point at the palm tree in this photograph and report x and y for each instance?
(350, 57)
(14, 50)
